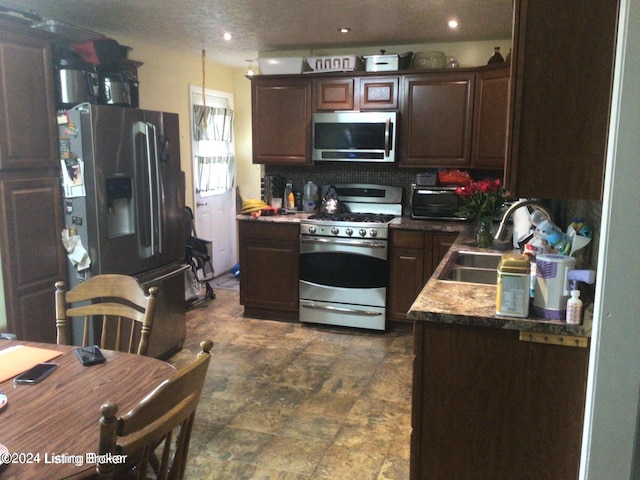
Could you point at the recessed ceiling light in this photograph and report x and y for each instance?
(344, 29)
(227, 36)
(453, 24)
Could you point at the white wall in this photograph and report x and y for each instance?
(468, 54)
(248, 173)
(610, 446)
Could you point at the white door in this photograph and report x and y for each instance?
(214, 185)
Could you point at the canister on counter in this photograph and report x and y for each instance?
(512, 297)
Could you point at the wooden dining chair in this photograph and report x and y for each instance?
(119, 301)
(155, 434)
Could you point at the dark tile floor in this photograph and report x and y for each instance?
(291, 402)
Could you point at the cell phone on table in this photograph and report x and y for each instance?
(90, 355)
(35, 374)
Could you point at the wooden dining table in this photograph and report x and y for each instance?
(50, 430)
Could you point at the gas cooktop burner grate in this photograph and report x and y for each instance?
(353, 217)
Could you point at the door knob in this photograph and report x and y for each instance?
(201, 204)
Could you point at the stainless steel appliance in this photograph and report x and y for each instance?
(76, 81)
(354, 136)
(124, 199)
(344, 272)
(115, 89)
(435, 203)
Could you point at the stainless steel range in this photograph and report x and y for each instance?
(343, 258)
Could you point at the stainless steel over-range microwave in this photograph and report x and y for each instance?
(354, 137)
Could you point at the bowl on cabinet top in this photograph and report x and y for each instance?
(428, 60)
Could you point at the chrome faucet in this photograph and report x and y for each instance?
(501, 233)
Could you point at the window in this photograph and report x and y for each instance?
(213, 142)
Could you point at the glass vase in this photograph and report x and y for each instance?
(484, 232)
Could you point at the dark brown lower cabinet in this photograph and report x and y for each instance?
(269, 269)
(413, 256)
(489, 406)
(32, 253)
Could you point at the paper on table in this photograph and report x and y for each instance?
(20, 358)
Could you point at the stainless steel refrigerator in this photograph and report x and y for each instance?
(124, 206)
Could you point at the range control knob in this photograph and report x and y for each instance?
(348, 231)
(335, 230)
(373, 233)
(312, 230)
(363, 232)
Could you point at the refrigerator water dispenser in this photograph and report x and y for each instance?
(120, 207)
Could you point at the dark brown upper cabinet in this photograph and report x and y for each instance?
(281, 120)
(562, 70)
(28, 136)
(490, 112)
(356, 93)
(436, 116)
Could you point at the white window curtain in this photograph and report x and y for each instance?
(213, 139)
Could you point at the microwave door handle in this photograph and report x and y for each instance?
(387, 135)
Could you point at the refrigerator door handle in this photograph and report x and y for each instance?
(155, 190)
(147, 171)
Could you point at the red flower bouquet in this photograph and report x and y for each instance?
(482, 199)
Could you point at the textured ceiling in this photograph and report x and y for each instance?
(266, 25)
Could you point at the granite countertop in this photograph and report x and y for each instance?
(279, 218)
(404, 223)
(474, 304)
(447, 226)
(457, 303)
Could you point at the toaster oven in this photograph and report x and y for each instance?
(435, 203)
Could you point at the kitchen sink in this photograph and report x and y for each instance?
(488, 260)
(471, 267)
(470, 275)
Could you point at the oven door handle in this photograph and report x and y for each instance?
(348, 311)
(350, 243)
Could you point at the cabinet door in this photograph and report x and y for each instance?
(378, 93)
(562, 97)
(436, 119)
(28, 137)
(269, 263)
(489, 143)
(523, 402)
(441, 243)
(281, 120)
(334, 94)
(32, 254)
(407, 259)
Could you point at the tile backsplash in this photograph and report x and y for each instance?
(347, 172)
(591, 212)
(389, 174)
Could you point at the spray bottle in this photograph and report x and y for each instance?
(574, 304)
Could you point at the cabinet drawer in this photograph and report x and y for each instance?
(269, 231)
(407, 239)
(378, 93)
(335, 94)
